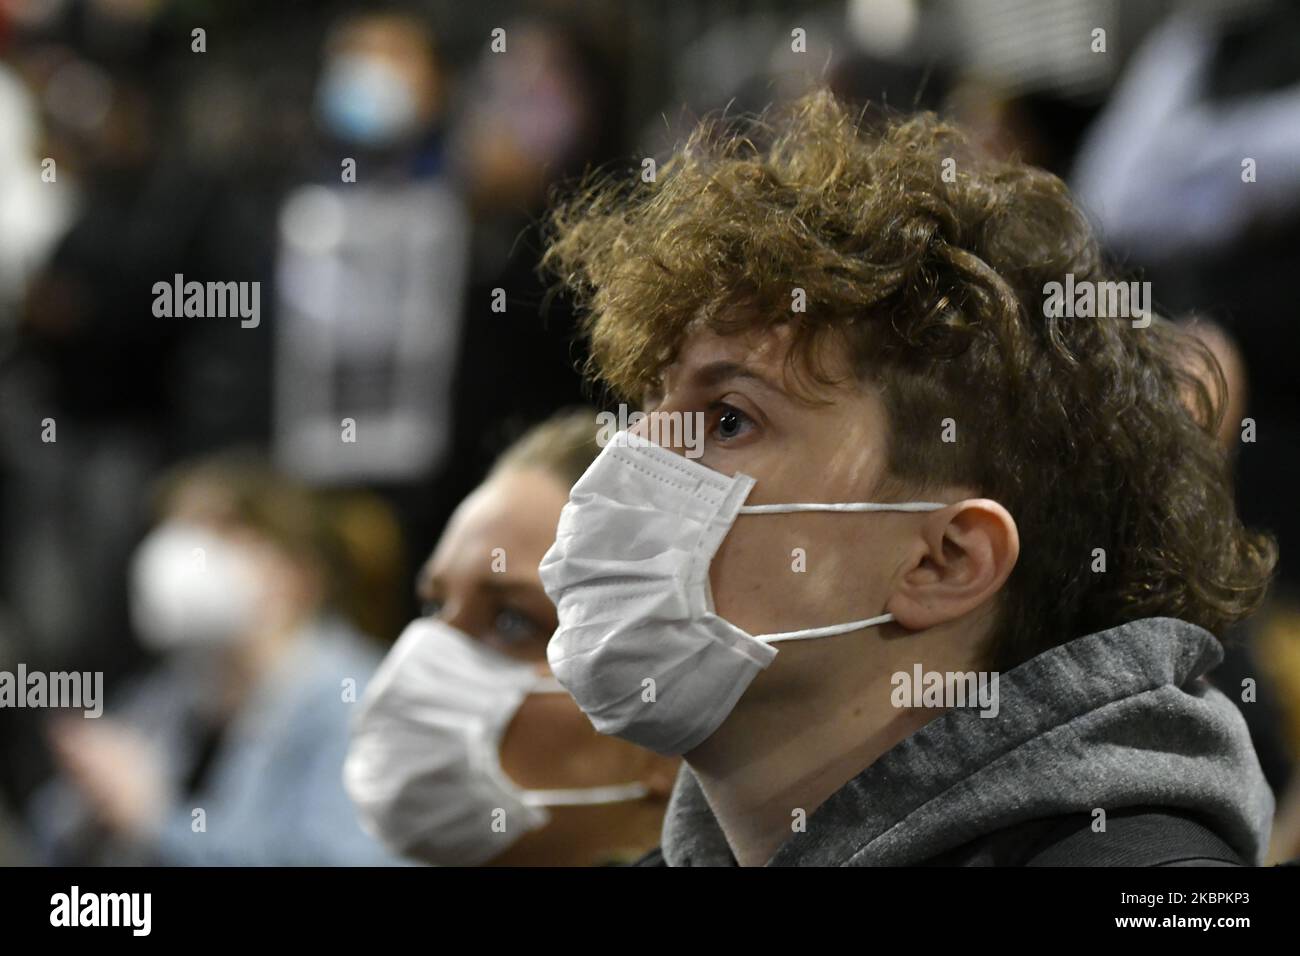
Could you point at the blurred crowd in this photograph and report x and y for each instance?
(379, 169)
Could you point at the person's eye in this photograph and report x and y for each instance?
(730, 422)
(514, 627)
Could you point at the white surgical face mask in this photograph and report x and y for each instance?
(629, 575)
(424, 765)
(190, 587)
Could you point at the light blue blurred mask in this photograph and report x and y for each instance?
(365, 100)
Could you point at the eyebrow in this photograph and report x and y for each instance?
(428, 583)
(715, 373)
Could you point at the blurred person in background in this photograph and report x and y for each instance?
(230, 751)
(370, 271)
(31, 216)
(1191, 173)
(544, 109)
(466, 752)
(164, 161)
(90, 356)
(129, 201)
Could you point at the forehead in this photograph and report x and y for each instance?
(201, 501)
(516, 510)
(770, 355)
(384, 35)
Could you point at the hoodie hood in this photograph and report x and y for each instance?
(1120, 718)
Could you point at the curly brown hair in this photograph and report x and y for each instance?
(1091, 432)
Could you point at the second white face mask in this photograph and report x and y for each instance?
(424, 764)
(190, 587)
(639, 645)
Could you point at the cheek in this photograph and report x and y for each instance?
(272, 574)
(779, 573)
(551, 744)
(753, 572)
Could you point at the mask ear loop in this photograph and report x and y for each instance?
(586, 796)
(547, 685)
(575, 796)
(829, 631)
(842, 506)
(834, 629)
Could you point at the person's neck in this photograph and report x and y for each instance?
(256, 655)
(773, 757)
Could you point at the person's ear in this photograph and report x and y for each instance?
(961, 558)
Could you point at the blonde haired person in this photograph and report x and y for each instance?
(466, 752)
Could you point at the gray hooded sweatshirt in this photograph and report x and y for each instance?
(1123, 718)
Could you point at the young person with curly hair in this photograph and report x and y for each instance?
(924, 485)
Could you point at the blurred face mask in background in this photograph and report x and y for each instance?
(424, 766)
(191, 586)
(366, 100)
